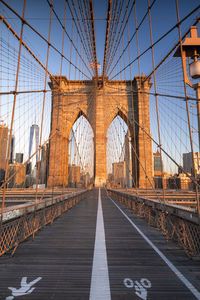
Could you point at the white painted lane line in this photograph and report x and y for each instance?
(184, 280)
(100, 285)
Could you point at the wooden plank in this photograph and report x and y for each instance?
(62, 255)
(129, 256)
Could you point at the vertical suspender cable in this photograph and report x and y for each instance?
(132, 102)
(187, 107)
(13, 109)
(138, 53)
(63, 39)
(61, 104)
(44, 98)
(71, 39)
(155, 87)
(93, 38)
(107, 36)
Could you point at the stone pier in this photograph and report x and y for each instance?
(100, 103)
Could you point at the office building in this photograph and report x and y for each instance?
(19, 158)
(74, 175)
(34, 143)
(119, 173)
(12, 150)
(157, 164)
(18, 180)
(128, 159)
(188, 162)
(3, 143)
(3, 150)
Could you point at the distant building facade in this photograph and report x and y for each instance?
(3, 143)
(128, 159)
(159, 181)
(3, 150)
(19, 179)
(85, 179)
(12, 150)
(157, 163)
(74, 175)
(119, 173)
(44, 164)
(19, 158)
(33, 147)
(188, 162)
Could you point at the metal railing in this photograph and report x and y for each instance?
(19, 224)
(177, 223)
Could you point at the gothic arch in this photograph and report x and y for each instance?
(75, 117)
(119, 112)
(99, 106)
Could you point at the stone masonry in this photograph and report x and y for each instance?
(100, 103)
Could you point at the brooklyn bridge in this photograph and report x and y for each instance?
(99, 149)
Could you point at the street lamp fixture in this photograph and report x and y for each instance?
(191, 51)
(195, 68)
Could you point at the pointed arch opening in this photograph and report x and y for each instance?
(119, 152)
(81, 153)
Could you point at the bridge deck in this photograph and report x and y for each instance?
(61, 259)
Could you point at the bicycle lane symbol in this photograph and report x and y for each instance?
(25, 289)
(140, 287)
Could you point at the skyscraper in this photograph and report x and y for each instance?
(12, 150)
(188, 162)
(157, 163)
(34, 143)
(128, 159)
(19, 158)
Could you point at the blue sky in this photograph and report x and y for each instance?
(163, 18)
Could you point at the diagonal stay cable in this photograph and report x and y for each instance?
(120, 33)
(176, 45)
(85, 27)
(125, 48)
(88, 22)
(119, 29)
(113, 37)
(63, 27)
(93, 37)
(41, 36)
(107, 35)
(163, 36)
(111, 33)
(80, 32)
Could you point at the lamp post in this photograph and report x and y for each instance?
(197, 89)
(191, 50)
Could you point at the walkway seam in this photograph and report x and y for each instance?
(100, 285)
(184, 280)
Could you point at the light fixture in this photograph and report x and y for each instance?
(191, 50)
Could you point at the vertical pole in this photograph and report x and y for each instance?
(13, 110)
(156, 98)
(44, 99)
(132, 102)
(61, 67)
(187, 106)
(197, 88)
(140, 83)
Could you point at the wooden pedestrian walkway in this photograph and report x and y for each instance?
(98, 250)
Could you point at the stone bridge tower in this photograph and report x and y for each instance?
(100, 104)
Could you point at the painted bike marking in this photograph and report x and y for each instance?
(25, 289)
(140, 287)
